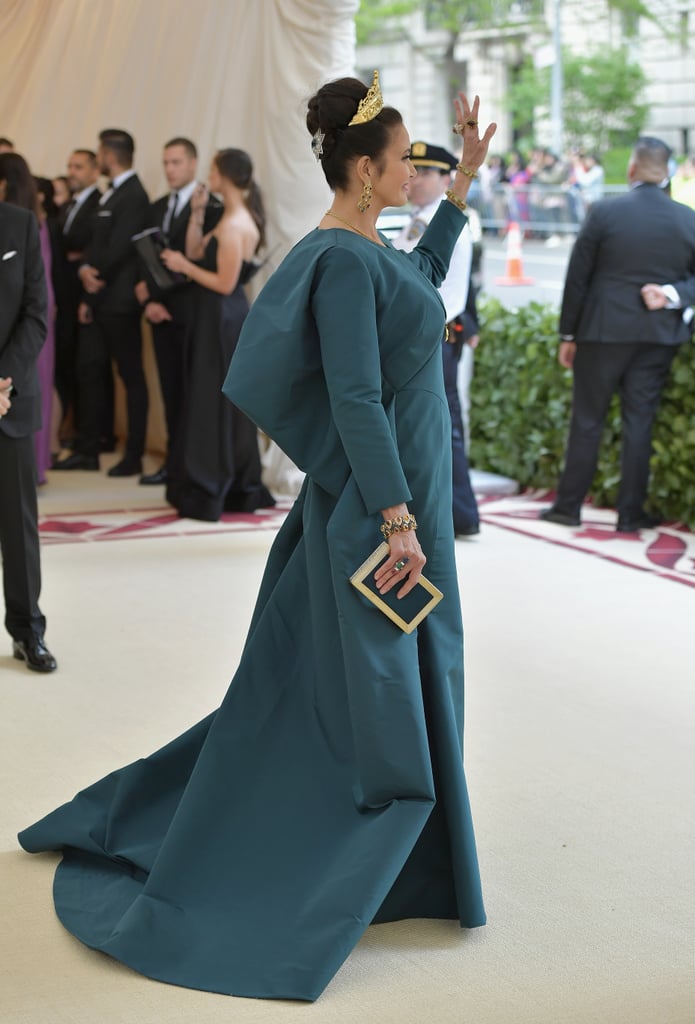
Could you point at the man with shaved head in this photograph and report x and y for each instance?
(625, 309)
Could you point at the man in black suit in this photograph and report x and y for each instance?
(24, 305)
(75, 233)
(630, 281)
(168, 311)
(110, 314)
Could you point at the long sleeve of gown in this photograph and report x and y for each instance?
(433, 252)
(344, 307)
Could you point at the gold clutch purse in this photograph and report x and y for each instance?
(407, 612)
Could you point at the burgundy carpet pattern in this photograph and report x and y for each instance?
(149, 523)
(668, 550)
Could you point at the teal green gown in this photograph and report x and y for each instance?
(327, 792)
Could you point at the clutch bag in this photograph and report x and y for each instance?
(406, 612)
(149, 245)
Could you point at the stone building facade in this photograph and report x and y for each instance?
(418, 64)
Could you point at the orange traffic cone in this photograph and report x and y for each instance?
(515, 273)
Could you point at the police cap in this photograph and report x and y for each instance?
(424, 155)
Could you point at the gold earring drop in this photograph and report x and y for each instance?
(366, 198)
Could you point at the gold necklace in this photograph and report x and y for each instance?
(329, 213)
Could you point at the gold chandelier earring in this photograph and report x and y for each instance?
(366, 198)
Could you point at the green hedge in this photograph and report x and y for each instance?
(520, 409)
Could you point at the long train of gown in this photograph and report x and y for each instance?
(327, 792)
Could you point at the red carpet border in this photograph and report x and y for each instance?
(146, 524)
(668, 550)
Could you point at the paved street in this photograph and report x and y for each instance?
(545, 264)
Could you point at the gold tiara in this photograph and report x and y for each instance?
(371, 105)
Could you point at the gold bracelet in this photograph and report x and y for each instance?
(399, 524)
(456, 200)
(467, 171)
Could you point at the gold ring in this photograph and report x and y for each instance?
(472, 123)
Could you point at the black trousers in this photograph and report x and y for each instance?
(465, 507)
(68, 297)
(111, 336)
(168, 338)
(19, 538)
(637, 371)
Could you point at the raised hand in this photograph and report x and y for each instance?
(475, 147)
(199, 198)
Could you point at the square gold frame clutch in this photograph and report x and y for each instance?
(408, 612)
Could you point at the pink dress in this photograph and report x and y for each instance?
(46, 365)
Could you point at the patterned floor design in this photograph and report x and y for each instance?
(148, 524)
(668, 551)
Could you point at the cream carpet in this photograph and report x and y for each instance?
(579, 758)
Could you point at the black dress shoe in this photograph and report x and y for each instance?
(160, 477)
(77, 461)
(35, 653)
(126, 467)
(645, 522)
(550, 515)
(467, 531)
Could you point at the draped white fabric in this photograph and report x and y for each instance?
(223, 72)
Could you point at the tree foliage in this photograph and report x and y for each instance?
(602, 89)
(372, 15)
(453, 16)
(601, 97)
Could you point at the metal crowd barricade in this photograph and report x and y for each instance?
(540, 210)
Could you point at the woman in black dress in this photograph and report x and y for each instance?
(216, 465)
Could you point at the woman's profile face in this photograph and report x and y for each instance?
(395, 172)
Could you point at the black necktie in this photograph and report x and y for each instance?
(171, 211)
(69, 215)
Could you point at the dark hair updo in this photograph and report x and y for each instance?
(20, 185)
(330, 111)
(235, 165)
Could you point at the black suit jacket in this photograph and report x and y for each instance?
(111, 250)
(76, 239)
(73, 244)
(634, 239)
(175, 299)
(23, 317)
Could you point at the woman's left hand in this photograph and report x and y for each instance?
(475, 147)
(404, 564)
(174, 260)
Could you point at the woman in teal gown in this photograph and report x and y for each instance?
(327, 792)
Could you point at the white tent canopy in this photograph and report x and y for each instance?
(222, 72)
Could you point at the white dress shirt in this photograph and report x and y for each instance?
(116, 183)
(454, 287)
(77, 200)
